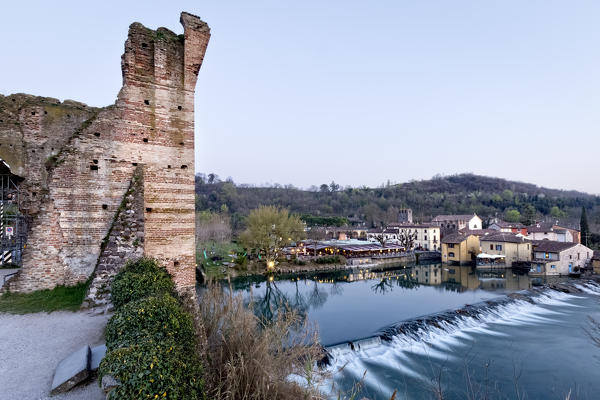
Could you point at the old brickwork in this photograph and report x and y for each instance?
(77, 182)
(124, 242)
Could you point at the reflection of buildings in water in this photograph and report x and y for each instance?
(427, 274)
(461, 275)
(365, 274)
(470, 279)
(453, 277)
(505, 279)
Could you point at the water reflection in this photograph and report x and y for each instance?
(311, 291)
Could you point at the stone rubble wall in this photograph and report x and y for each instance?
(77, 162)
(124, 242)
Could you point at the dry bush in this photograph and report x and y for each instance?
(212, 226)
(248, 360)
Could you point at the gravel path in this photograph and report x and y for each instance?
(31, 346)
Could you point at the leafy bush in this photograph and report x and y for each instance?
(331, 260)
(139, 279)
(142, 265)
(154, 370)
(157, 318)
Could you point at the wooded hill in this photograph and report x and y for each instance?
(456, 194)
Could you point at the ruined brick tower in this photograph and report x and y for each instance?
(86, 170)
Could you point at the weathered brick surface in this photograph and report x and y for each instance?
(78, 161)
(124, 242)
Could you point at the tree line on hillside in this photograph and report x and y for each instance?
(457, 194)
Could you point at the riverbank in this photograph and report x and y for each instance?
(32, 345)
(309, 266)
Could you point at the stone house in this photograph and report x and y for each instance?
(596, 262)
(512, 247)
(508, 227)
(550, 232)
(559, 258)
(453, 223)
(459, 249)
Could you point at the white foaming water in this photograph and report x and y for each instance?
(441, 340)
(589, 288)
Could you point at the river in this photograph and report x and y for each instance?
(500, 345)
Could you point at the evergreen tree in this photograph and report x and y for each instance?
(584, 226)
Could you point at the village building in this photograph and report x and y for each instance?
(504, 250)
(453, 223)
(596, 262)
(426, 236)
(508, 227)
(575, 233)
(559, 258)
(356, 251)
(459, 249)
(405, 216)
(545, 231)
(477, 232)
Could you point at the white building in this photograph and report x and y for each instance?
(559, 258)
(427, 235)
(453, 223)
(549, 232)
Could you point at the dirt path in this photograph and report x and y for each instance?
(31, 346)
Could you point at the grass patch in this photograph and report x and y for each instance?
(9, 266)
(60, 298)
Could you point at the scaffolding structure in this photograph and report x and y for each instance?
(13, 225)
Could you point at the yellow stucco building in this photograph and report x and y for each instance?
(514, 248)
(459, 249)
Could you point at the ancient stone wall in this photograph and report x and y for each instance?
(124, 242)
(78, 162)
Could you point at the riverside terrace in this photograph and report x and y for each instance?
(347, 248)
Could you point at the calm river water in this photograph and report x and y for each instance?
(535, 348)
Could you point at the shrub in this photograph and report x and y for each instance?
(298, 261)
(154, 370)
(331, 260)
(156, 318)
(142, 265)
(140, 279)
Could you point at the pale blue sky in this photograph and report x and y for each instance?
(306, 92)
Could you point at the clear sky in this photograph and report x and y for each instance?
(306, 92)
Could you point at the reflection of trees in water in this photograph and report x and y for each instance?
(387, 284)
(317, 296)
(336, 289)
(274, 300)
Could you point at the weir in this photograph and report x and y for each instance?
(428, 328)
(508, 343)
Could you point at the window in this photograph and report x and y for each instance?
(451, 254)
(499, 247)
(491, 247)
(475, 226)
(553, 266)
(451, 245)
